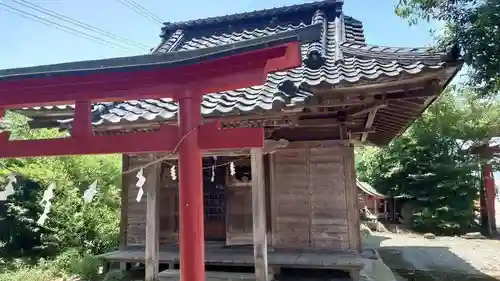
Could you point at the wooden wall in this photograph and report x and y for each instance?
(313, 196)
(135, 212)
(239, 218)
(239, 222)
(312, 199)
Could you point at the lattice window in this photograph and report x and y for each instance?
(214, 203)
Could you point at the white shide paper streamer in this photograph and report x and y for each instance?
(9, 187)
(91, 191)
(140, 183)
(232, 169)
(48, 194)
(173, 173)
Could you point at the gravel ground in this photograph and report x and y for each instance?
(444, 254)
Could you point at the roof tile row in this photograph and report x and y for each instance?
(344, 59)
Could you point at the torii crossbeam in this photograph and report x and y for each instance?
(183, 76)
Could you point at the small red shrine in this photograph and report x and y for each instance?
(370, 199)
(287, 202)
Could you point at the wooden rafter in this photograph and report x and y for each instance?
(335, 102)
(428, 89)
(323, 122)
(386, 129)
(393, 112)
(425, 89)
(357, 131)
(369, 123)
(397, 105)
(392, 118)
(374, 106)
(410, 103)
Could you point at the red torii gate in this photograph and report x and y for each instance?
(184, 76)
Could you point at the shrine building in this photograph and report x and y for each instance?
(347, 92)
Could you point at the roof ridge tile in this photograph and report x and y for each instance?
(168, 27)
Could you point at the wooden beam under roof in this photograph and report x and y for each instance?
(369, 123)
(372, 107)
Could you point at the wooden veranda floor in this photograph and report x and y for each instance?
(217, 254)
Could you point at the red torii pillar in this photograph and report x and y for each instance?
(487, 202)
(186, 84)
(192, 241)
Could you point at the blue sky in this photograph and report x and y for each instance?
(26, 43)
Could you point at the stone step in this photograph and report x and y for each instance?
(174, 275)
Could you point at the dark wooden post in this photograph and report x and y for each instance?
(259, 215)
(124, 208)
(152, 222)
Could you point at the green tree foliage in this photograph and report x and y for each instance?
(89, 228)
(18, 230)
(432, 162)
(473, 24)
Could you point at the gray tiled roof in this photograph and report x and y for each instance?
(345, 60)
(298, 8)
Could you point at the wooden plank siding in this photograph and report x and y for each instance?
(351, 200)
(307, 189)
(239, 222)
(291, 199)
(136, 211)
(309, 196)
(239, 216)
(328, 202)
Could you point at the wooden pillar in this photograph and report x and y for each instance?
(394, 215)
(124, 207)
(259, 215)
(124, 202)
(351, 199)
(375, 206)
(152, 222)
(385, 208)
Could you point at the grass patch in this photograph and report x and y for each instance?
(68, 266)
